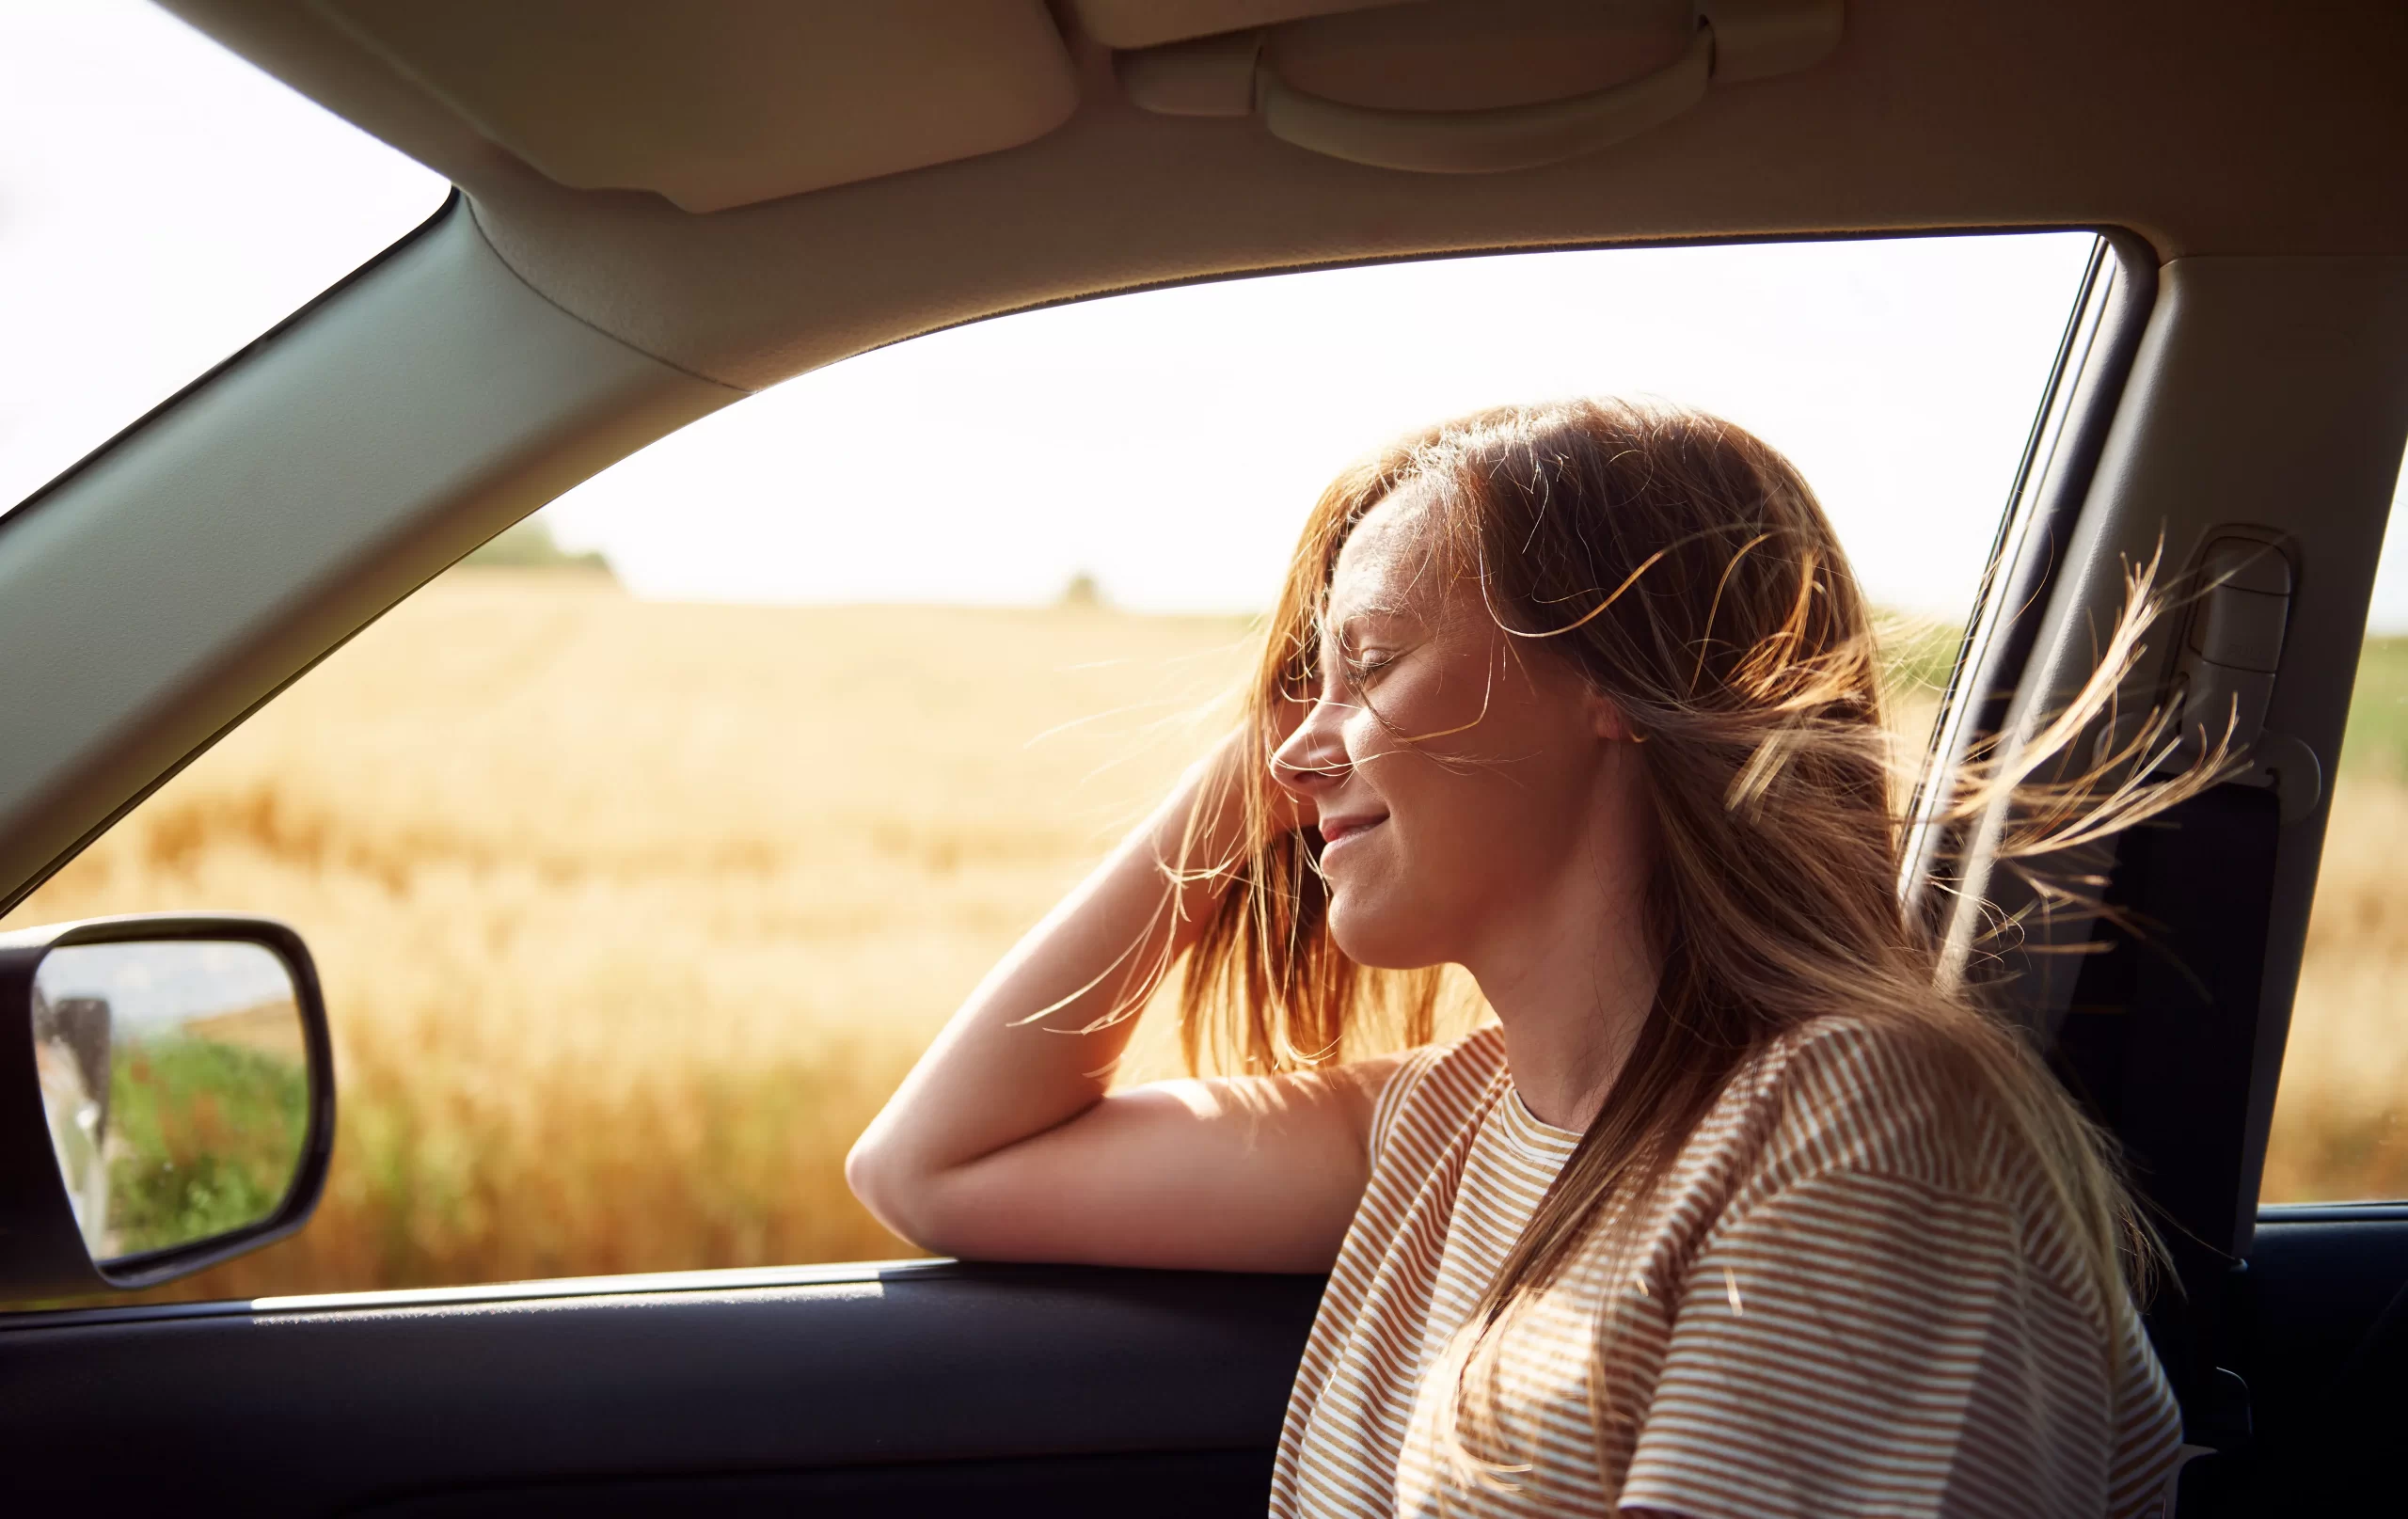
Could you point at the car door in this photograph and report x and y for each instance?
(2204, 395)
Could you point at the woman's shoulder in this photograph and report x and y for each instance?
(1438, 1089)
(1894, 1097)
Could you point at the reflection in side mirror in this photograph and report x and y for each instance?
(169, 1103)
(175, 1076)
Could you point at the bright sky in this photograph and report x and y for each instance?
(151, 984)
(1169, 443)
(161, 203)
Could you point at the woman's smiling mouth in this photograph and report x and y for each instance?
(1335, 831)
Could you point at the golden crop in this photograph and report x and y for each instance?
(630, 914)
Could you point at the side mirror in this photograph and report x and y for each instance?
(167, 1099)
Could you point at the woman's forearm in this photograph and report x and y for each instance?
(1034, 1045)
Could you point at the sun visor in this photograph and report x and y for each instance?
(714, 103)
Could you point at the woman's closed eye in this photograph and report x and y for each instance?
(1362, 652)
(1363, 665)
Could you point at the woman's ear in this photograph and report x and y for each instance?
(1605, 716)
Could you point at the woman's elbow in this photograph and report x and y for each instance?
(878, 1182)
(896, 1193)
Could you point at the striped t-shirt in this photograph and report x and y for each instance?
(1845, 1300)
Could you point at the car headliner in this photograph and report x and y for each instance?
(2206, 127)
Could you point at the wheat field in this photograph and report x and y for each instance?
(629, 915)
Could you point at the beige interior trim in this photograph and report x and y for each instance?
(2207, 126)
(1469, 87)
(1491, 141)
(1135, 24)
(189, 571)
(715, 103)
(2269, 392)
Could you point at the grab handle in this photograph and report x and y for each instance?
(1489, 141)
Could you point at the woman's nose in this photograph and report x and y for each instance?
(1313, 759)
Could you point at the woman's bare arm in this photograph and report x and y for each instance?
(1004, 1144)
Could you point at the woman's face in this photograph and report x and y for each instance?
(1463, 779)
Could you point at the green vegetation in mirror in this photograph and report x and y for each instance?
(209, 1137)
(176, 1083)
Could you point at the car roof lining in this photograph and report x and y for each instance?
(737, 102)
(2214, 128)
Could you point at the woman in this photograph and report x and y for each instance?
(1738, 1207)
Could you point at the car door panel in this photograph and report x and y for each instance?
(1183, 1485)
(2322, 1310)
(924, 1384)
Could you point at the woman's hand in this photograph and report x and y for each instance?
(1005, 1143)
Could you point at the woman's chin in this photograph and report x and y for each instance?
(1376, 939)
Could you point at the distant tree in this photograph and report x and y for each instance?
(1083, 591)
(530, 546)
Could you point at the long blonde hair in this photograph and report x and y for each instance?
(1683, 567)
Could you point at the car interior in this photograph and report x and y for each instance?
(660, 209)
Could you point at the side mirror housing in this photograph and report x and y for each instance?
(167, 1099)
